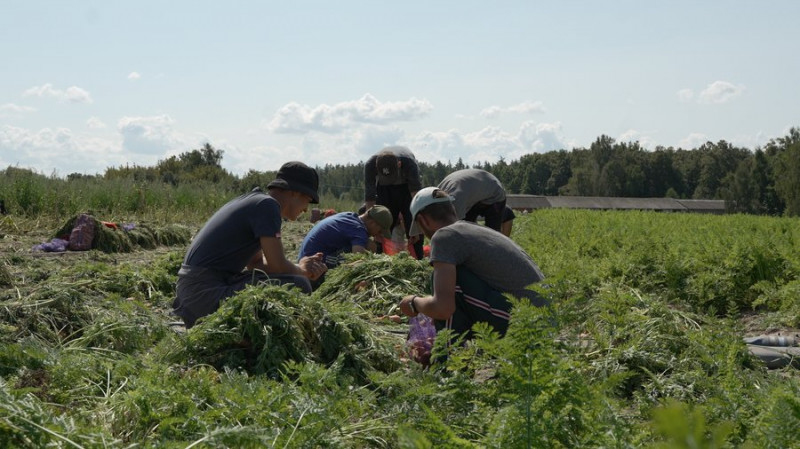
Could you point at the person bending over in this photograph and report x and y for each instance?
(345, 232)
(476, 192)
(391, 178)
(474, 267)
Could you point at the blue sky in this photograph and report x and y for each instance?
(85, 85)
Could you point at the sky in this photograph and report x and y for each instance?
(87, 85)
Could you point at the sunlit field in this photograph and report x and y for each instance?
(642, 344)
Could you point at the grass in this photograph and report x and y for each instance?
(642, 347)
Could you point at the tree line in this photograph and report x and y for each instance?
(761, 181)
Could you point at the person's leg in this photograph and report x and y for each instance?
(384, 198)
(476, 301)
(200, 292)
(404, 205)
(394, 201)
(508, 221)
(250, 278)
(197, 297)
(398, 201)
(474, 211)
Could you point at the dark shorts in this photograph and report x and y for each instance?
(492, 214)
(477, 301)
(200, 290)
(508, 214)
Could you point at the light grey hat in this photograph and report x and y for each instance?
(423, 199)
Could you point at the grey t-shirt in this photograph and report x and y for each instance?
(472, 186)
(231, 237)
(490, 255)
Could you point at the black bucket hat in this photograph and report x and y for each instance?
(298, 177)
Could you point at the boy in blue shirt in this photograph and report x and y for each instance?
(345, 232)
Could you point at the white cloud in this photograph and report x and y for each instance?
(95, 123)
(542, 137)
(75, 94)
(12, 110)
(57, 149)
(720, 92)
(261, 158)
(149, 135)
(349, 147)
(685, 95)
(72, 94)
(527, 107)
(301, 119)
(133, 76)
(693, 140)
(491, 112)
(368, 140)
(488, 144)
(633, 135)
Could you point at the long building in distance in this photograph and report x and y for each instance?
(533, 202)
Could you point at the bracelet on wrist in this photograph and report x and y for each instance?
(412, 305)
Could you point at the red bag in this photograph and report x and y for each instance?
(82, 235)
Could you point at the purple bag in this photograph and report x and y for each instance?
(421, 335)
(53, 246)
(82, 235)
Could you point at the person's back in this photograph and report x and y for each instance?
(333, 236)
(229, 238)
(391, 178)
(490, 255)
(473, 190)
(474, 269)
(383, 169)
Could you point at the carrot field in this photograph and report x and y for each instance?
(641, 347)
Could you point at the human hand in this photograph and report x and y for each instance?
(313, 266)
(406, 306)
(414, 239)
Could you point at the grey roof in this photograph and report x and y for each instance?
(596, 202)
(531, 202)
(703, 204)
(527, 202)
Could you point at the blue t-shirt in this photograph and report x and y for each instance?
(231, 237)
(333, 236)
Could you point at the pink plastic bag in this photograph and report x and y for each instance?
(421, 335)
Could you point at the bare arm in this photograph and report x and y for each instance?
(311, 267)
(257, 262)
(442, 304)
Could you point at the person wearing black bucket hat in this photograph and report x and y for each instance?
(241, 244)
(298, 177)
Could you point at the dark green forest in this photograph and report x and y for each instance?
(763, 181)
